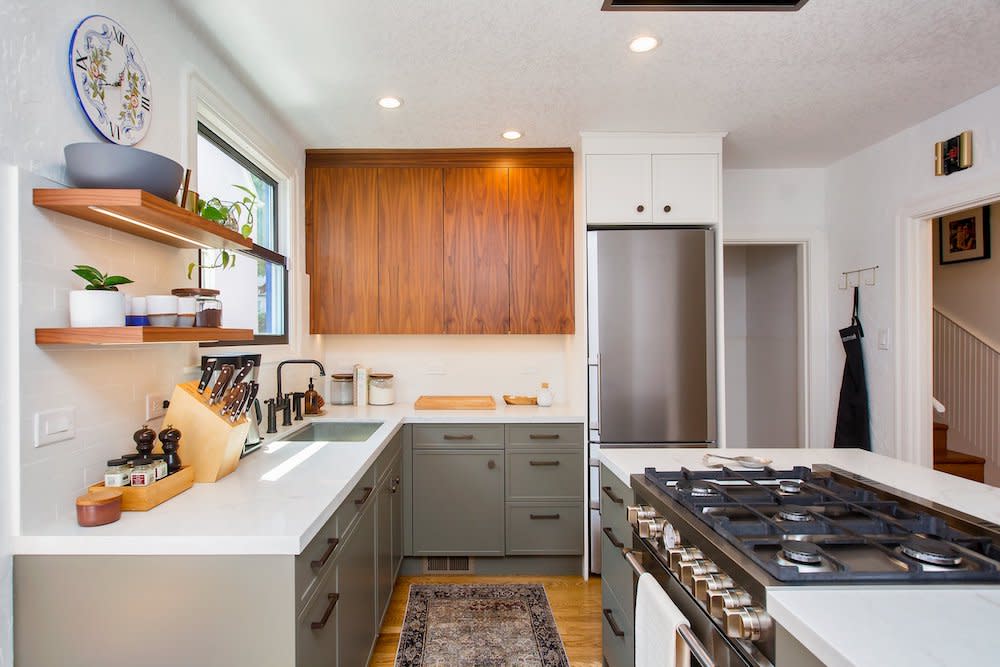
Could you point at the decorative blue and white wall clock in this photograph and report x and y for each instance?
(110, 79)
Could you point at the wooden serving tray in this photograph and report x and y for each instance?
(455, 403)
(520, 400)
(144, 498)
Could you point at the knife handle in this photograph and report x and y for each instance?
(247, 367)
(222, 383)
(206, 374)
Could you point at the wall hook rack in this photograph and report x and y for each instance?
(858, 277)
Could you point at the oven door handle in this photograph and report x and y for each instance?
(684, 632)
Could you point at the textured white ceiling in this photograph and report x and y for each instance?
(793, 89)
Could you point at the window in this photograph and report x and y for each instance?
(254, 290)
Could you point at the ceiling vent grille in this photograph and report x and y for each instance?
(703, 5)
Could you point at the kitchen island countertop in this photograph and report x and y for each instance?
(275, 502)
(881, 626)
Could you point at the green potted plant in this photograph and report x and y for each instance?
(236, 215)
(99, 304)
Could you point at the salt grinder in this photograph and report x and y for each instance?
(170, 439)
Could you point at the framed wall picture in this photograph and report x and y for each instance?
(965, 236)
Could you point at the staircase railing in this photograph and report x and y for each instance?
(967, 380)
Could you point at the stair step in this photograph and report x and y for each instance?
(940, 438)
(960, 464)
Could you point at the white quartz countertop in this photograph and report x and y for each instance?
(274, 503)
(881, 626)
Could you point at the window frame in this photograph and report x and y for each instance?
(257, 252)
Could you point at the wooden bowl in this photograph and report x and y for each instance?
(520, 400)
(99, 507)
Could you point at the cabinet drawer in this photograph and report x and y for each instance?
(615, 497)
(315, 560)
(549, 529)
(316, 631)
(545, 435)
(618, 635)
(356, 501)
(616, 573)
(544, 474)
(459, 436)
(385, 460)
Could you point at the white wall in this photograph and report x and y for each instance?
(105, 386)
(788, 206)
(868, 195)
(8, 389)
(968, 292)
(735, 296)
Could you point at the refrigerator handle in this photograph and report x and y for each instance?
(596, 424)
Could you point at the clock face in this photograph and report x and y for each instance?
(111, 79)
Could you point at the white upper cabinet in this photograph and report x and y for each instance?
(685, 189)
(619, 189)
(653, 178)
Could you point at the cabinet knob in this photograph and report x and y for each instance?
(491, 464)
(666, 209)
(640, 208)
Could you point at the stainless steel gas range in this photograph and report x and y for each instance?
(717, 540)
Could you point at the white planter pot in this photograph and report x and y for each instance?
(96, 308)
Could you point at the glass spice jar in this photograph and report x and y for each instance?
(342, 389)
(143, 473)
(208, 309)
(159, 467)
(118, 473)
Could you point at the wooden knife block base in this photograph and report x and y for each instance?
(210, 443)
(145, 498)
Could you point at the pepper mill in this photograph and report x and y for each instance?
(145, 440)
(170, 438)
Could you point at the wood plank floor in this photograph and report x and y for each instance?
(576, 605)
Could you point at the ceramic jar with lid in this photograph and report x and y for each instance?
(381, 389)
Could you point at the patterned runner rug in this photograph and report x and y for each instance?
(473, 625)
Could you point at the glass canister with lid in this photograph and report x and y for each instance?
(342, 389)
(208, 309)
(381, 389)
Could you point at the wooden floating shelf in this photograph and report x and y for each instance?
(142, 214)
(138, 335)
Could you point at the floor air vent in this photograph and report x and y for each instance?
(447, 565)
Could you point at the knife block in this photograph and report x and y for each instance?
(210, 443)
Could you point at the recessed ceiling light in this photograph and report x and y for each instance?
(512, 135)
(390, 102)
(643, 43)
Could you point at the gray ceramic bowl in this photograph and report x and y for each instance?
(101, 165)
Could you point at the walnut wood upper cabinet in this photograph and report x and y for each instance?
(410, 242)
(342, 249)
(541, 250)
(476, 273)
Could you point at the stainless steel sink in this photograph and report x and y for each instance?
(335, 431)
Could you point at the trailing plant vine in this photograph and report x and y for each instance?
(237, 215)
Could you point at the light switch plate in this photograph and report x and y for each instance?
(883, 339)
(154, 406)
(54, 426)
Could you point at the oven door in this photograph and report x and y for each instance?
(718, 650)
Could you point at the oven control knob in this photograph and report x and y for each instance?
(637, 512)
(671, 538)
(750, 623)
(690, 568)
(652, 529)
(679, 555)
(706, 583)
(729, 598)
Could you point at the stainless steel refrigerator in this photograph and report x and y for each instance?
(651, 342)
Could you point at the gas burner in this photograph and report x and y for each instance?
(931, 552)
(799, 551)
(795, 513)
(790, 486)
(697, 488)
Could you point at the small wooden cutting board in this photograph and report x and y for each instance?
(455, 403)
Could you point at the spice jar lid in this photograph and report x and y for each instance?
(143, 461)
(381, 376)
(194, 291)
(343, 377)
(116, 462)
(99, 497)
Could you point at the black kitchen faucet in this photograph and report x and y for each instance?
(281, 397)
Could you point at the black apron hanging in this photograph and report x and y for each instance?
(852, 415)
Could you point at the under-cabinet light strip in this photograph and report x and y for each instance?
(124, 218)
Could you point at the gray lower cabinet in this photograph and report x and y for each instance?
(617, 578)
(458, 502)
(356, 569)
(618, 636)
(389, 546)
(316, 632)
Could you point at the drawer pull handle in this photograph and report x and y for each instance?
(640, 208)
(609, 617)
(611, 494)
(464, 436)
(491, 464)
(667, 208)
(363, 499)
(544, 436)
(536, 517)
(615, 542)
(543, 463)
(321, 623)
(331, 546)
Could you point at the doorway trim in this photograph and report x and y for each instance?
(812, 375)
(914, 379)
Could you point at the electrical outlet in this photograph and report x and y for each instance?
(156, 406)
(55, 426)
